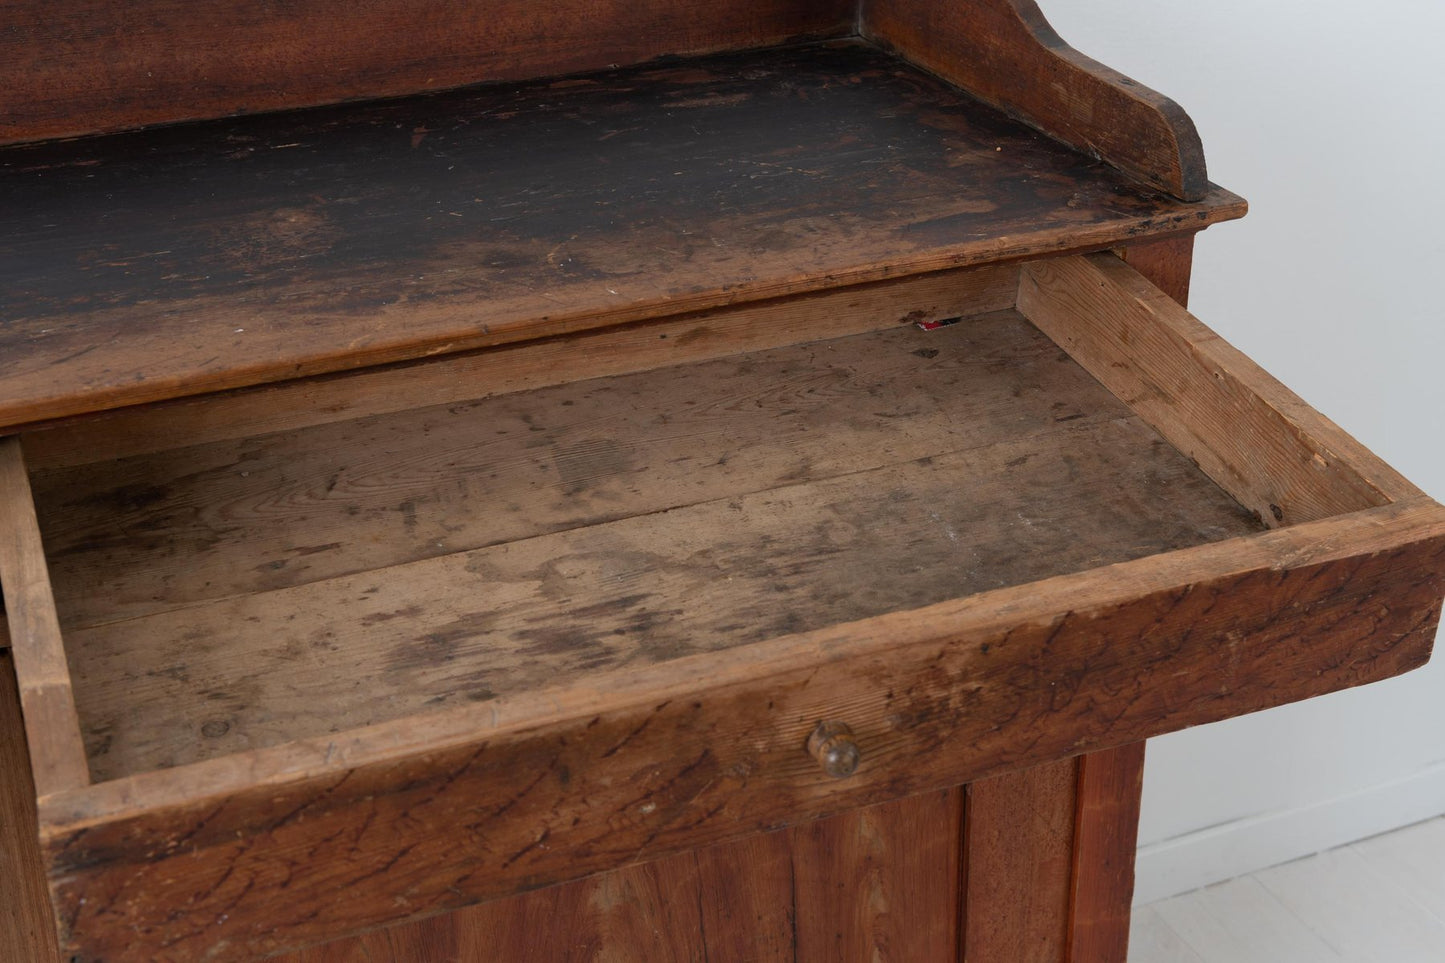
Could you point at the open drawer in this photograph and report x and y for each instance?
(442, 632)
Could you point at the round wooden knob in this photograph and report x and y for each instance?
(832, 744)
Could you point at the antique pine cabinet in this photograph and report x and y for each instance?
(487, 480)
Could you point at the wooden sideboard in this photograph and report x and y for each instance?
(648, 481)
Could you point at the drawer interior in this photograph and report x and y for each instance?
(623, 574)
(243, 593)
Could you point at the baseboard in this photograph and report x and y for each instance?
(1212, 855)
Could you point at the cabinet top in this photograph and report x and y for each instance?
(187, 259)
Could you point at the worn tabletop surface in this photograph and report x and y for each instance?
(186, 259)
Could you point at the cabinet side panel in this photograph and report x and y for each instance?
(27, 931)
(84, 66)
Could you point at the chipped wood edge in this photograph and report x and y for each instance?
(1011, 38)
(52, 728)
(1256, 439)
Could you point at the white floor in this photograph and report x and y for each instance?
(1381, 900)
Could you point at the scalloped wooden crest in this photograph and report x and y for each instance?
(1006, 53)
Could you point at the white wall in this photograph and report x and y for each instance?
(1327, 115)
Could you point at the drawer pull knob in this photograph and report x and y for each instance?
(832, 744)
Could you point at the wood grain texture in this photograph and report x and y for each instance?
(80, 66)
(750, 898)
(519, 367)
(1005, 52)
(650, 912)
(877, 884)
(216, 521)
(1019, 832)
(1110, 785)
(52, 728)
(27, 926)
(880, 883)
(238, 595)
(427, 814)
(182, 261)
(1257, 440)
(1166, 263)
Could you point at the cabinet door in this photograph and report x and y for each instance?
(875, 884)
(1034, 866)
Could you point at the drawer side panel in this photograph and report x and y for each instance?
(52, 726)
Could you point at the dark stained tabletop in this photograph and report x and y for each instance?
(195, 258)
